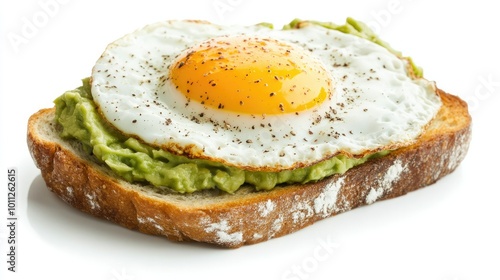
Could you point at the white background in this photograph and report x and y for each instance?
(448, 231)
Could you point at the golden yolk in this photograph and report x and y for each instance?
(251, 75)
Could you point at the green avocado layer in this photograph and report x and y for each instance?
(135, 161)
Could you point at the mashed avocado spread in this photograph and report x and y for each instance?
(135, 161)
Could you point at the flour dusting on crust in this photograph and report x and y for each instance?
(458, 153)
(301, 211)
(151, 221)
(326, 202)
(222, 232)
(69, 190)
(277, 224)
(266, 208)
(92, 202)
(385, 185)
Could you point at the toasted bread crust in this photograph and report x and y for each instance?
(246, 217)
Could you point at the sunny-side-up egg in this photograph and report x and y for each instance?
(259, 98)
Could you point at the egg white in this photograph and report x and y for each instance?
(375, 105)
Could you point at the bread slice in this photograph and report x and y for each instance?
(248, 216)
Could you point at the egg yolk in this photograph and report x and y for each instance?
(251, 75)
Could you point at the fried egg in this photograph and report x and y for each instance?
(259, 98)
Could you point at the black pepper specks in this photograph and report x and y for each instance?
(270, 129)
